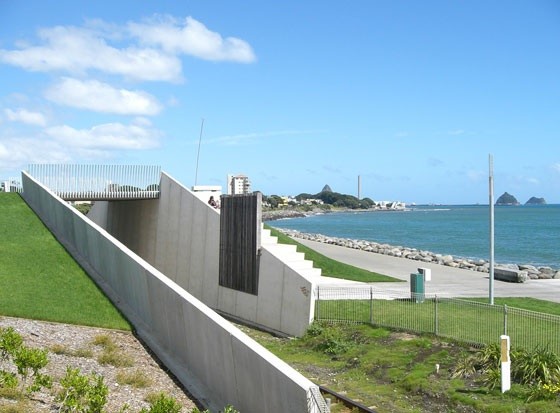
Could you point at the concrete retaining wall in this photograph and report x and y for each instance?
(179, 234)
(216, 362)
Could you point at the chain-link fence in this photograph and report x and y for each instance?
(468, 321)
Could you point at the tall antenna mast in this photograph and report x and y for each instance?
(359, 186)
(198, 154)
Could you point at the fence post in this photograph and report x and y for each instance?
(436, 326)
(317, 302)
(505, 320)
(371, 305)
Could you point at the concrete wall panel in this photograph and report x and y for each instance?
(245, 306)
(184, 253)
(270, 290)
(296, 311)
(227, 299)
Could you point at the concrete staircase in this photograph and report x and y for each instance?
(289, 255)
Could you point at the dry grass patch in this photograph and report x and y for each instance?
(111, 354)
(136, 378)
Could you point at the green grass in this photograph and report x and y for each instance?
(526, 303)
(393, 371)
(330, 267)
(462, 320)
(40, 280)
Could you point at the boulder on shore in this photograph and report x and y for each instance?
(510, 275)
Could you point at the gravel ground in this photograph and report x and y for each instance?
(64, 343)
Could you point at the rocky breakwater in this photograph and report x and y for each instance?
(527, 271)
(281, 214)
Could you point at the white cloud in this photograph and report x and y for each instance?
(476, 176)
(101, 97)
(108, 136)
(192, 38)
(556, 167)
(76, 50)
(457, 132)
(25, 116)
(17, 152)
(63, 144)
(254, 136)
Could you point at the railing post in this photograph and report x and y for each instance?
(317, 302)
(505, 320)
(371, 305)
(436, 318)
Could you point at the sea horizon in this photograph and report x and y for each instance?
(523, 234)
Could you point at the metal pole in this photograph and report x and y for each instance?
(198, 154)
(436, 318)
(371, 305)
(491, 202)
(317, 304)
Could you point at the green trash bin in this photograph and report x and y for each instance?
(417, 287)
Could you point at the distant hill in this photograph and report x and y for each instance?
(507, 199)
(326, 188)
(535, 201)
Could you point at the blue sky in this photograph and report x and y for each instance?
(412, 96)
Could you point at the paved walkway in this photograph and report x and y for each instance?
(445, 280)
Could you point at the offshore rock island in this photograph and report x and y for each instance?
(535, 201)
(508, 199)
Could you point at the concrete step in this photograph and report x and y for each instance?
(289, 255)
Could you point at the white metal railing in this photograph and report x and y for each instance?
(461, 319)
(316, 402)
(96, 182)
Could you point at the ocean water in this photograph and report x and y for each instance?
(522, 234)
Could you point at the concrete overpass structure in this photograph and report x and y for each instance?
(158, 260)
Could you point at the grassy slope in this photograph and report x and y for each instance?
(394, 372)
(40, 280)
(332, 268)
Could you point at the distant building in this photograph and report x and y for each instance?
(238, 184)
(10, 185)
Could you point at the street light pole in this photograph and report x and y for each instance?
(491, 202)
